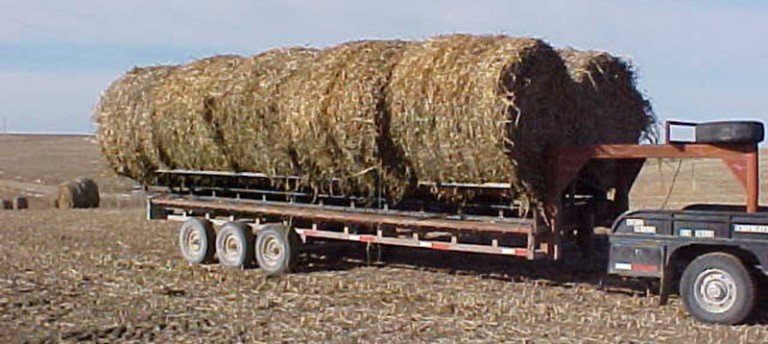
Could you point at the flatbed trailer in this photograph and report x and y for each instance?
(240, 218)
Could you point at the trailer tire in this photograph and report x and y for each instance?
(235, 245)
(716, 288)
(277, 249)
(196, 241)
(730, 132)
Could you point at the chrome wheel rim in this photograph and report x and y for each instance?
(231, 247)
(272, 251)
(715, 291)
(193, 242)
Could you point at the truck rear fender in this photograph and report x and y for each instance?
(680, 256)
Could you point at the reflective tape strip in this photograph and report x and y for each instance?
(441, 246)
(623, 266)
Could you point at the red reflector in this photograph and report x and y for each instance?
(310, 232)
(643, 267)
(441, 246)
(367, 238)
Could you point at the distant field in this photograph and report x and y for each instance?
(108, 275)
(35, 164)
(677, 183)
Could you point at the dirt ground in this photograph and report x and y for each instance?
(107, 275)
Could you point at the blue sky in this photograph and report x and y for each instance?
(696, 60)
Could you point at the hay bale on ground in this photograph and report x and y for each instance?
(78, 193)
(91, 190)
(480, 109)
(249, 120)
(337, 117)
(20, 202)
(123, 115)
(6, 204)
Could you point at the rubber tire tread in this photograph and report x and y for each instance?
(730, 132)
(745, 288)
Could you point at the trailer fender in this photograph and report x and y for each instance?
(753, 256)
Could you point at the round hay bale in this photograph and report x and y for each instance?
(69, 196)
(612, 109)
(337, 119)
(90, 190)
(608, 98)
(185, 119)
(79, 193)
(123, 115)
(20, 202)
(249, 120)
(477, 109)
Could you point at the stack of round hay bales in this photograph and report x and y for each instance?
(457, 108)
(248, 119)
(337, 117)
(477, 109)
(124, 115)
(78, 193)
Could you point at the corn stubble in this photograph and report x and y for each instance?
(102, 276)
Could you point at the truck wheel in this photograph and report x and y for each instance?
(730, 132)
(277, 249)
(717, 288)
(196, 241)
(234, 245)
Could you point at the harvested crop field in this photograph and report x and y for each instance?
(107, 275)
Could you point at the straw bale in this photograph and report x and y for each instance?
(480, 109)
(91, 191)
(184, 124)
(123, 115)
(612, 109)
(78, 193)
(337, 117)
(249, 121)
(20, 202)
(608, 98)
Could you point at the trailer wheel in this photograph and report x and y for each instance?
(717, 288)
(196, 241)
(277, 249)
(234, 245)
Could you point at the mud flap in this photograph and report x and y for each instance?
(667, 277)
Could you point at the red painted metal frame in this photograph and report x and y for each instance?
(566, 162)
